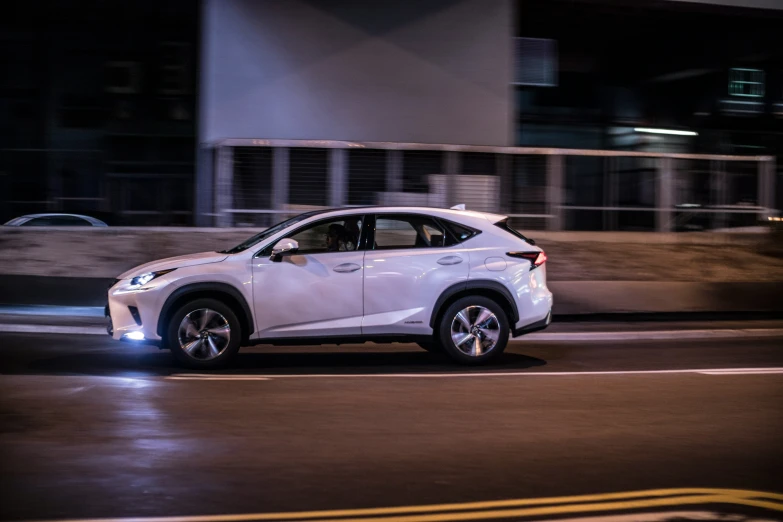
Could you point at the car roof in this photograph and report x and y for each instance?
(28, 217)
(455, 214)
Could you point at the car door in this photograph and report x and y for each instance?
(406, 268)
(316, 291)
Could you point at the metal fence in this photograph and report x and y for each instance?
(259, 182)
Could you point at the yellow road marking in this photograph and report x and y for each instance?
(563, 510)
(499, 508)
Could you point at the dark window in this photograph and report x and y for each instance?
(366, 176)
(333, 235)
(330, 235)
(308, 177)
(407, 231)
(505, 226)
(417, 167)
(458, 233)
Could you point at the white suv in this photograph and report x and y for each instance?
(450, 280)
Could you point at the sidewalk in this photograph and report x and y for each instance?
(90, 321)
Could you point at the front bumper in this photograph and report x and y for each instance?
(133, 315)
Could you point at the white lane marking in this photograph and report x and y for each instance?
(561, 337)
(744, 371)
(266, 377)
(48, 329)
(652, 335)
(53, 310)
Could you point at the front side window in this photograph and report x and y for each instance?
(333, 235)
(407, 231)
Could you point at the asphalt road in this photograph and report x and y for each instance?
(93, 428)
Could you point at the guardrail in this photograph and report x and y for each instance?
(257, 180)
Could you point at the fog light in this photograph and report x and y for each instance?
(134, 336)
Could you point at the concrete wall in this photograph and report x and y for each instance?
(430, 71)
(573, 256)
(589, 273)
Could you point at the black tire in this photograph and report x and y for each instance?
(498, 324)
(228, 353)
(431, 346)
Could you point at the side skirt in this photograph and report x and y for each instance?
(351, 339)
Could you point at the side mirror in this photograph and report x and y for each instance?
(283, 247)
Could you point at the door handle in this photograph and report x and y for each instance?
(347, 268)
(450, 260)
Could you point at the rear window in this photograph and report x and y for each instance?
(516, 233)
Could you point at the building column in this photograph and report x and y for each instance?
(555, 192)
(505, 166)
(394, 180)
(766, 187)
(451, 168)
(664, 195)
(611, 193)
(224, 186)
(338, 177)
(279, 178)
(203, 195)
(719, 189)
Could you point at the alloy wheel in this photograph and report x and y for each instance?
(475, 331)
(204, 334)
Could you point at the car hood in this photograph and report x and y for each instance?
(201, 258)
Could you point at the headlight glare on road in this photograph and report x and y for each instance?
(143, 279)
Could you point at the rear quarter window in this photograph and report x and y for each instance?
(514, 232)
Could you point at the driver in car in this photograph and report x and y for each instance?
(339, 239)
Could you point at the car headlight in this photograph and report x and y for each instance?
(143, 279)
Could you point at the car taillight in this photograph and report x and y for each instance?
(536, 258)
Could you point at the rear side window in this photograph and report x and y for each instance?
(458, 233)
(505, 226)
(407, 231)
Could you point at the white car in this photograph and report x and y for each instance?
(55, 220)
(451, 280)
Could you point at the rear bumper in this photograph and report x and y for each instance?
(533, 327)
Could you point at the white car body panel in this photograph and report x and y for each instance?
(304, 295)
(401, 287)
(201, 258)
(392, 292)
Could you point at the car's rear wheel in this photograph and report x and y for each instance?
(204, 334)
(474, 330)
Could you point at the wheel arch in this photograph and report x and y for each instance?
(490, 289)
(223, 292)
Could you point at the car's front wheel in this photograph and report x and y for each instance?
(474, 330)
(204, 334)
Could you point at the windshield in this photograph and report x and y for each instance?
(269, 232)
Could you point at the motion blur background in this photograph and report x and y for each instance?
(241, 112)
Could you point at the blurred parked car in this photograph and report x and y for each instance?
(55, 220)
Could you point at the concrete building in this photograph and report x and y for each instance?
(236, 111)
